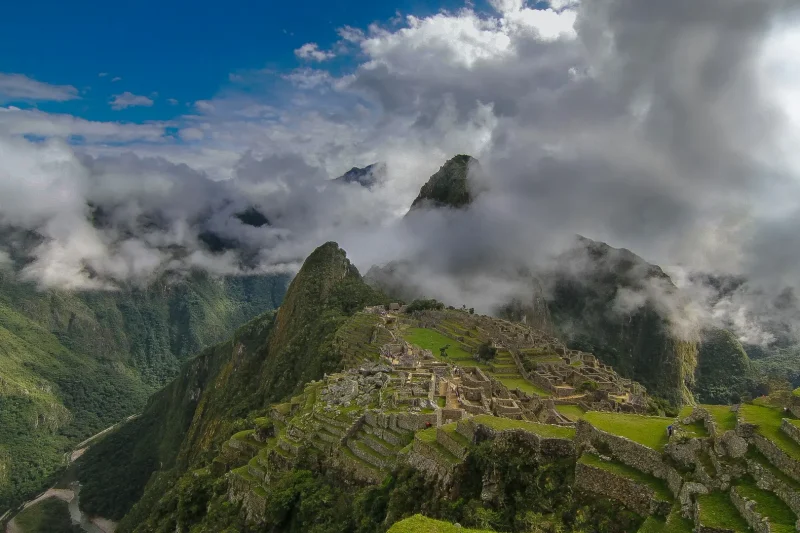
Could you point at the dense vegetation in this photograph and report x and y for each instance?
(271, 357)
(638, 342)
(724, 373)
(529, 497)
(74, 363)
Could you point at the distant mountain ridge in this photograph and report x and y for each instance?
(367, 177)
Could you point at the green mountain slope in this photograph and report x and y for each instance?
(724, 372)
(271, 357)
(638, 342)
(74, 363)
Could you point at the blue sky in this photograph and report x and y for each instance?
(172, 50)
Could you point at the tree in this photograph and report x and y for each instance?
(486, 351)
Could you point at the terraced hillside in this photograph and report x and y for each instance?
(706, 476)
(333, 416)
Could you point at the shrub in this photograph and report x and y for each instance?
(424, 305)
(486, 352)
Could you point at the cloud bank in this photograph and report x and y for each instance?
(666, 128)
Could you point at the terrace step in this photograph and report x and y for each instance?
(392, 436)
(377, 444)
(361, 450)
(331, 421)
(255, 469)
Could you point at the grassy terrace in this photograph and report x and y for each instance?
(650, 431)
(674, 523)
(450, 429)
(695, 429)
(518, 382)
(429, 339)
(543, 430)
(347, 452)
(768, 420)
(423, 524)
(724, 418)
(781, 517)
(573, 412)
(716, 510)
(758, 457)
(428, 436)
(659, 486)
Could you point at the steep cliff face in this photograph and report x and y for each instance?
(613, 303)
(450, 186)
(724, 373)
(269, 358)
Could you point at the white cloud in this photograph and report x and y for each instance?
(204, 106)
(18, 87)
(350, 34)
(18, 122)
(116, 78)
(172, 101)
(102, 75)
(311, 52)
(128, 99)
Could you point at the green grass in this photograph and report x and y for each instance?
(650, 431)
(522, 384)
(423, 524)
(573, 412)
(450, 429)
(659, 486)
(543, 430)
(758, 457)
(429, 339)
(674, 523)
(781, 517)
(724, 418)
(716, 510)
(428, 436)
(768, 420)
(695, 429)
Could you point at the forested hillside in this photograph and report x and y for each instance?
(74, 363)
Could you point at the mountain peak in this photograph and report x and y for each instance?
(368, 177)
(449, 187)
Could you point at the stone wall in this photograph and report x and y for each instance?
(355, 469)
(786, 464)
(544, 448)
(766, 480)
(639, 498)
(426, 459)
(791, 430)
(467, 429)
(451, 445)
(747, 508)
(699, 528)
(400, 421)
(624, 450)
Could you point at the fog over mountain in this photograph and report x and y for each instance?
(668, 128)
